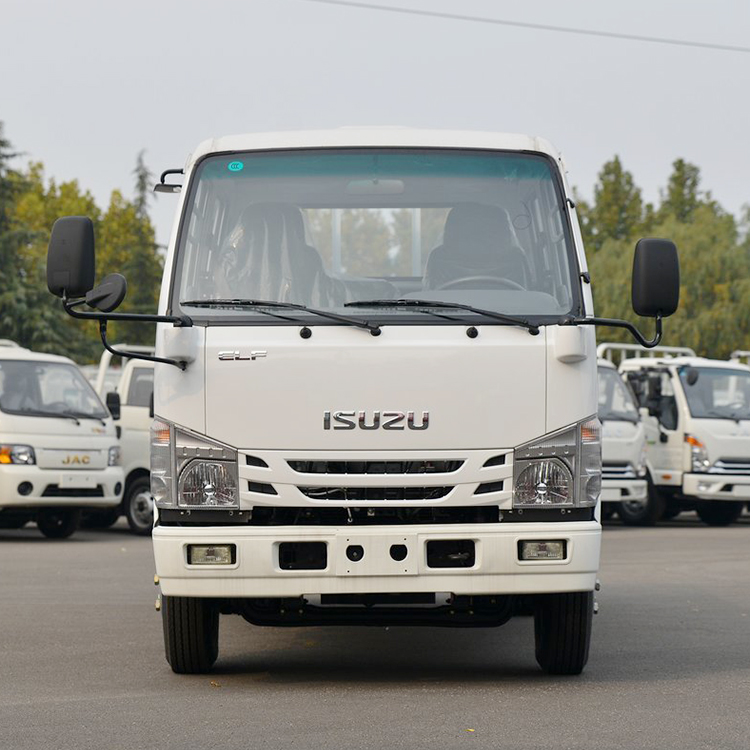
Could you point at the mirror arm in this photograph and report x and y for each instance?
(132, 355)
(179, 321)
(614, 323)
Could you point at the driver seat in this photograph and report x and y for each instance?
(478, 240)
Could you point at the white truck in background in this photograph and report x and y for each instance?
(698, 430)
(624, 486)
(130, 397)
(59, 453)
(375, 393)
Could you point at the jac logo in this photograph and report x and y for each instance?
(69, 460)
(376, 420)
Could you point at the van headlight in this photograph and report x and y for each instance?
(190, 471)
(699, 461)
(17, 454)
(114, 456)
(560, 470)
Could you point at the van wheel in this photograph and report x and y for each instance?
(139, 506)
(719, 513)
(58, 523)
(643, 512)
(562, 631)
(191, 633)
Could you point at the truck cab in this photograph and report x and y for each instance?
(624, 487)
(698, 432)
(59, 452)
(375, 391)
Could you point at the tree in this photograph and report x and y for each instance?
(617, 212)
(681, 197)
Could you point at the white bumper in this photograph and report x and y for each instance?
(497, 569)
(619, 490)
(717, 486)
(54, 487)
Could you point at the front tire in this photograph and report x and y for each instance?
(643, 513)
(562, 631)
(100, 519)
(58, 523)
(191, 633)
(719, 513)
(139, 506)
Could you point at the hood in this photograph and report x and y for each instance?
(486, 392)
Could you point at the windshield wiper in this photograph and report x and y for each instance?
(82, 415)
(371, 327)
(41, 413)
(511, 319)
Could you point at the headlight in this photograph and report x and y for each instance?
(115, 456)
(642, 467)
(17, 454)
(559, 470)
(206, 471)
(698, 455)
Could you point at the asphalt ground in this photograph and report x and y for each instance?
(82, 662)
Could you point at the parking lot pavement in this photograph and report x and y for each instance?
(82, 665)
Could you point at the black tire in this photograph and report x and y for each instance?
(719, 513)
(608, 510)
(562, 631)
(100, 519)
(58, 523)
(634, 513)
(191, 633)
(138, 506)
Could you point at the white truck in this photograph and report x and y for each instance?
(132, 394)
(59, 452)
(624, 487)
(698, 431)
(376, 390)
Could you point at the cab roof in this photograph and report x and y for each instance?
(385, 137)
(636, 363)
(11, 350)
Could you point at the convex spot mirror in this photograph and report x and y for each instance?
(70, 257)
(692, 375)
(656, 278)
(109, 294)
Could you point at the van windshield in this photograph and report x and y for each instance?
(40, 389)
(716, 393)
(616, 400)
(323, 228)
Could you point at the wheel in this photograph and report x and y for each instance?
(643, 512)
(608, 510)
(100, 519)
(13, 523)
(562, 631)
(58, 523)
(719, 513)
(139, 506)
(191, 633)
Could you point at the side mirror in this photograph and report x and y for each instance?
(70, 257)
(656, 278)
(113, 404)
(692, 376)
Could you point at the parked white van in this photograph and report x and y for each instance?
(624, 486)
(698, 431)
(58, 448)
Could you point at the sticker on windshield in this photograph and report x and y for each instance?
(235, 166)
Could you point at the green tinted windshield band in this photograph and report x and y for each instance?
(376, 164)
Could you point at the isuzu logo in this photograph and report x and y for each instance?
(376, 420)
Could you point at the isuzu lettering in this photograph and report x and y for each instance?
(376, 391)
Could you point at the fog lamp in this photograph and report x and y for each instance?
(211, 554)
(550, 550)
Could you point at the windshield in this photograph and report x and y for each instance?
(616, 400)
(324, 228)
(47, 388)
(715, 393)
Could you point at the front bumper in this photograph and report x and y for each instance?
(96, 488)
(497, 569)
(734, 487)
(619, 490)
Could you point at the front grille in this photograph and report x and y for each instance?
(415, 466)
(54, 490)
(618, 471)
(358, 494)
(731, 466)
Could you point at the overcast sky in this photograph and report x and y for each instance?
(88, 84)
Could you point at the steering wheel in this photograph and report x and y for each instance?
(496, 282)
